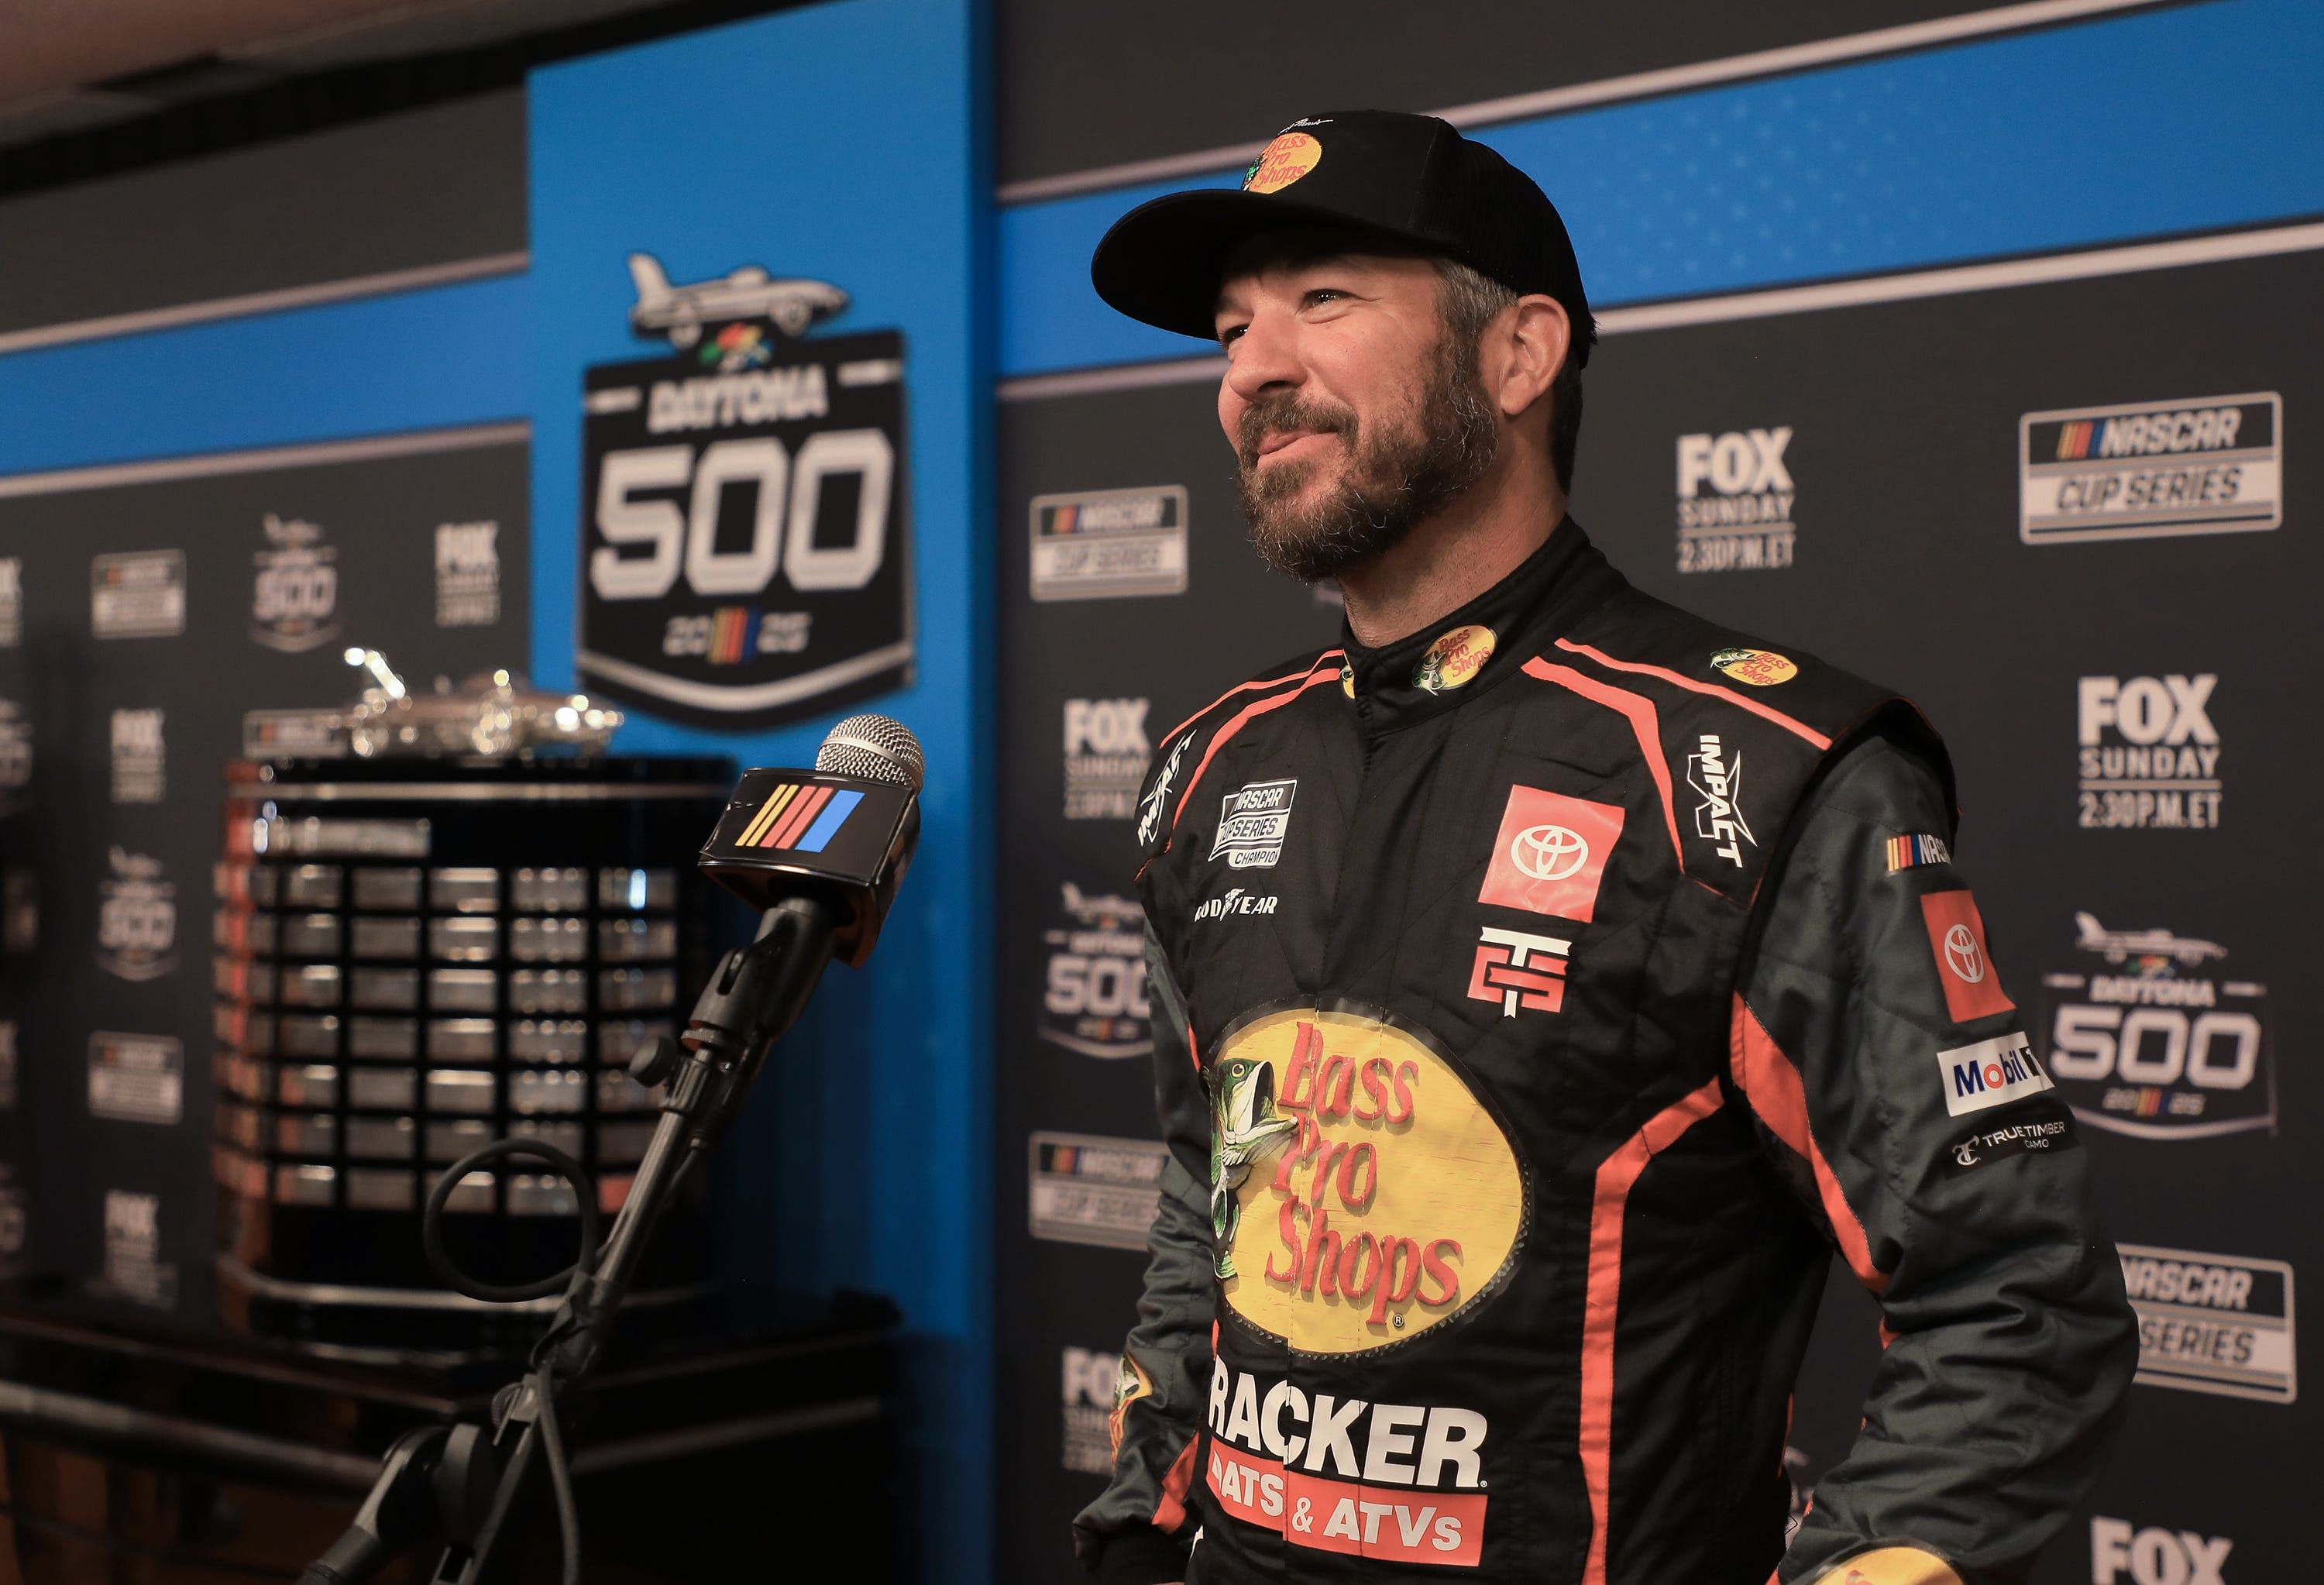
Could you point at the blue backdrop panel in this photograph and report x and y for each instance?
(2177, 120)
(840, 143)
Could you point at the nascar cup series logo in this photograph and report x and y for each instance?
(1735, 497)
(1363, 1194)
(1094, 999)
(2151, 1039)
(2148, 754)
(2212, 464)
(137, 919)
(745, 554)
(294, 602)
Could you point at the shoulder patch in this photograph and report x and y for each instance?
(1912, 851)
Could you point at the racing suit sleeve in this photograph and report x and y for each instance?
(1898, 1095)
(1138, 1531)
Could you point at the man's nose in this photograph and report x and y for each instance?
(1265, 357)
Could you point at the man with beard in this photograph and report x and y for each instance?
(1574, 978)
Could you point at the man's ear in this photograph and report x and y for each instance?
(1533, 334)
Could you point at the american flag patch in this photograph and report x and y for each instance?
(1906, 852)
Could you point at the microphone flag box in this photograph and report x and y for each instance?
(843, 839)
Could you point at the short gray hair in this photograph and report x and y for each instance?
(1468, 299)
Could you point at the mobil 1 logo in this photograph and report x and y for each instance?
(745, 554)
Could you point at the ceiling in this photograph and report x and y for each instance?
(69, 66)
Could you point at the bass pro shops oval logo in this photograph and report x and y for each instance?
(1363, 1194)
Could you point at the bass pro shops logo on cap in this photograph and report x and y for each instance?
(1292, 156)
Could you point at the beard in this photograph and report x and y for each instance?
(1398, 471)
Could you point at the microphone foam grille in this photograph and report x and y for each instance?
(874, 748)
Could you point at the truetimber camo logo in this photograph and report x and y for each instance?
(745, 554)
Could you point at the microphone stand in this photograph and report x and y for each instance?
(432, 1484)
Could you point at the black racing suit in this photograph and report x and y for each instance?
(1538, 1001)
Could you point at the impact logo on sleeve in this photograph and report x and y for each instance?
(2148, 754)
(2213, 464)
(1110, 544)
(1717, 778)
(294, 599)
(1991, 1073)
(745, 558)
(2151, 1042)
(1090, 1189)
(1253, 821)
(1550, 853)
(1106, 752)
(1964, 968)
(137, 595)
(468, 575)
(1734, 498)
(138, 758)
(2155, 1556)
(137, 918)
(1093, 998)
(2212, 1323)
(1158, 797)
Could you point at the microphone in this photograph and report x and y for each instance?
(840, 836)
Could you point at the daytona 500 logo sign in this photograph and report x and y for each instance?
(744, 552)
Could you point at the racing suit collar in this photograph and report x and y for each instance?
(1466, 653)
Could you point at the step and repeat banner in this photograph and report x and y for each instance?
(2063, 502)
(145, 609)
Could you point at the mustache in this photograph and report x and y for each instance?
(1287, 412)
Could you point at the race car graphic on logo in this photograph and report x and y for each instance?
(745, 555)
(1550, 853)
(1366, 1194)
(1957, 941)
(2150, 1042)
(1093, 995)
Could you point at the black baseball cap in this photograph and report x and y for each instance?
(1408, 179)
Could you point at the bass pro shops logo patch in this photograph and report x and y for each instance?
(745, 550)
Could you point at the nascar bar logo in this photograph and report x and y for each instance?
(745, 558)
(2152, 1042)
(1110, 544)
(2148, 755)
(2213, 1324)
(799, 817)
(137, 918)
(1734, 498)
(294, 599)
(1094, 1001)
(1089, 1189)
(2213, 464)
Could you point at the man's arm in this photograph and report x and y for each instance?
(1888, 1071)
(1138, 1531)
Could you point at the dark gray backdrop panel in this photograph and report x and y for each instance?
(379, 517)
(1903, 458)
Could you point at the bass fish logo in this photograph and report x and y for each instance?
(1362, 1193)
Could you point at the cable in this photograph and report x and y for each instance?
(560, 1479)
(432, 1222)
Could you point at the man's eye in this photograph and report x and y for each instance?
(1231, 335)
(1326, 294)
